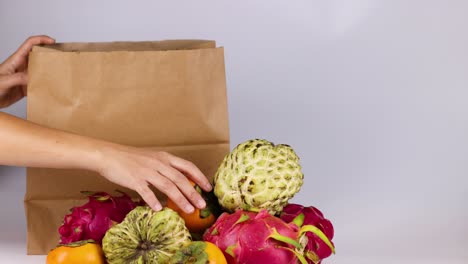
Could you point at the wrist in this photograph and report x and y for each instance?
(96, 155)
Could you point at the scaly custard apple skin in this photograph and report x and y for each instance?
(258, 175)
(145, 237)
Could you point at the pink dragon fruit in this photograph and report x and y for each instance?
(93, 219)
(249, 237)
(316, 249)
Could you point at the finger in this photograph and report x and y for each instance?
(183, 184)
(191, 170)
(172, 192)
(149, 197)
(20, 56)
(13, 80)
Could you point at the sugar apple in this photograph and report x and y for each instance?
(145, 236)
(258, 175)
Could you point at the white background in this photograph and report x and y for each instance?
(372, 95)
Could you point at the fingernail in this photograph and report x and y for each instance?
(189, 209)
(157, 207)
(208, 187)
(201, 204)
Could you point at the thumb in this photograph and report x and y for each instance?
(13, 80)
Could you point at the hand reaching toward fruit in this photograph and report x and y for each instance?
(32, 145)
(138, 168)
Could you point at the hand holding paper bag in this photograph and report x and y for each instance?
(13, 72)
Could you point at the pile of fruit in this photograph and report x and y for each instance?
(248, 219)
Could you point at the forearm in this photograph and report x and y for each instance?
(23, 143)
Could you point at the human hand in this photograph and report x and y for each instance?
(13, 71)
(138, 168)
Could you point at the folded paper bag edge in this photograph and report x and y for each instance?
(163, 45)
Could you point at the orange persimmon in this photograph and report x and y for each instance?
(79, 252)
(198, 221)
(199, 252)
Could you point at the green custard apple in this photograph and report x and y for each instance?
(258, 175)
(145, 236)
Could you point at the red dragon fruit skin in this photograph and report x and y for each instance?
(260, 249)
(316, 248)
(74, 225)
(248, 237)
(93, 219)
(226, 224)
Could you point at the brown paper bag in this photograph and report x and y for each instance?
(170, 95)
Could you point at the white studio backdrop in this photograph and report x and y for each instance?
(373, 95)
